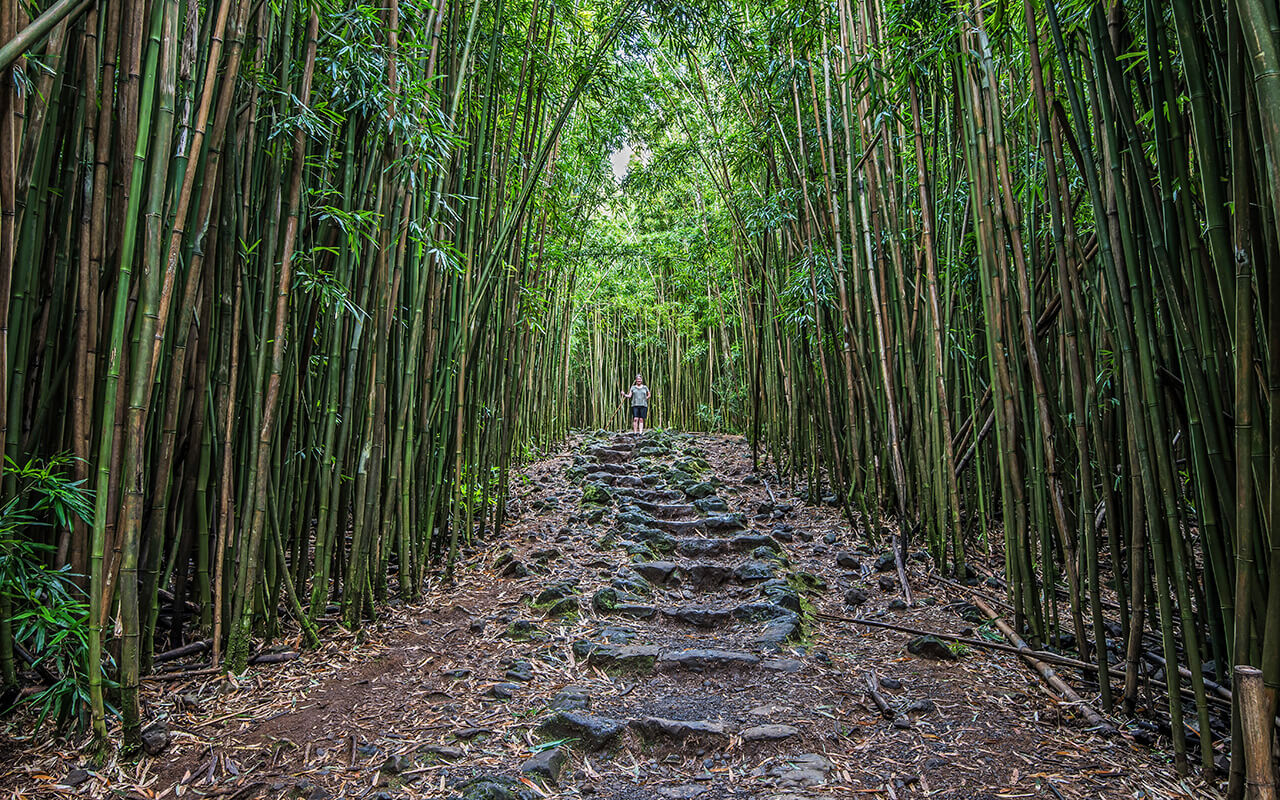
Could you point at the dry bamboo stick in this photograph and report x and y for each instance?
(1045, 671)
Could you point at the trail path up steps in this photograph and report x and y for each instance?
(643, 629)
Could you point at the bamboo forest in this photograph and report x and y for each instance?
(640, 399)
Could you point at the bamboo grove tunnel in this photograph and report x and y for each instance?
(296, 298)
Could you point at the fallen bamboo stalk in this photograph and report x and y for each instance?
(1037, 662)
(1065, 661)
(873, 690)
(181, 652)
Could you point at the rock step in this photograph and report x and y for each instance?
(702, 547)
(596, 733)
(623, 481)
(614, 454)
(647, 658)
(715, 524)
(666, 511)
(650, 495)
(611, 468)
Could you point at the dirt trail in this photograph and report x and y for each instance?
(648, 633)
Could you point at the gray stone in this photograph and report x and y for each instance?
(848, 560)
(698, 547)
(76, 777)
(564, 607)
(678, 729)
(777, 633)
(617, 635)
(757, 612)
(656, 571)
(789, 665)
(855, 597)
(700, 616)
(830, 538)
(725, 523)
(700, 659)
(769, 733)
(520, 671)
(711, 505)
(394, 765)
(750, 541)
(556, 591)
(546, 764)
(635, 610)
(809, 769)
(707, 575)
(571, 698)
(632, 658)
(781, 593)
(931, 647)
(503, 691)
(887, 583)
(698, 490)
(442, 752)
(155, 738)
(494, 787)
(885, 562)
(593, 732)
(753, 570)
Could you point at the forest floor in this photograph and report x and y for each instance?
(648, 647)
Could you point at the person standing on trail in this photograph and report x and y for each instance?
(639, 394)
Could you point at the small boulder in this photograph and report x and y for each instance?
(593, 732)
(571, 698)
(931, 647)
(848, 560)
(885, 562)
(155, 738)
(753, 570)
(520, 671)
(656, 571)
(564, 607)
(711, 505)
(546, 764)
(494, 787)
(887, 583)
(596, 494)
(699, 490)
(769, 733)
(855, 597)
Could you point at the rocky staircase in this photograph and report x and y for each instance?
(694, 623)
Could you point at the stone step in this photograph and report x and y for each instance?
(647, 658)
(651, 495)
(609, 479)
(709, 616)
(715, 524)
(613, 455)
(666, 511)
(611, 468)
(698, 660)
(679, 730)
(702, 547)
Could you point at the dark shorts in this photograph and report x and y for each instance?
(639, 412)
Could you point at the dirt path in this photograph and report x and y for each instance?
(650, 633)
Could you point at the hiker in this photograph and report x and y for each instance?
(639, 394)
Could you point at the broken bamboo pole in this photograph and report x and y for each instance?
(1256, 704)
(1044, 670)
